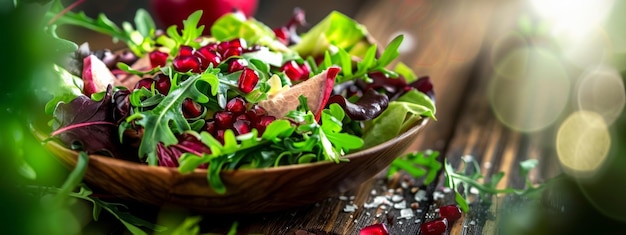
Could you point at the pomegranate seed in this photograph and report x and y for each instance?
(185, 51)
(210, 127)
(241, 127)
(187, 63)
(450, 212)
(236, 105)
(208, 56)
(374, 229)
(236, 65)
(248, 80)
(237, 42)
(282, 34)
(242, 117)
(158, 58)
(263, 122)
(435, 227)
(255, 113)
(232, 51)
(295, 71)
(211, 46)
(219, 135)
(145, 82)
(223, 119)
(162, 83)
(191, 109)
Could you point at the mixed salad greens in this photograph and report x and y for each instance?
(247, 96)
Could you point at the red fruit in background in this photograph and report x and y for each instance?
(173, 12)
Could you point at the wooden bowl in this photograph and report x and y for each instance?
(247, 191)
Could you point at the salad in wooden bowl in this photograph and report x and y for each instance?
(249, 119)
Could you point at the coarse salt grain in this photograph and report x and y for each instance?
(350, 208)
(396, 198)
(474, 191)
(438, 195)
(400, 205)
(420, 195)
(406, 213)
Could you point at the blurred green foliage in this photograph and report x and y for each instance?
(23, 161)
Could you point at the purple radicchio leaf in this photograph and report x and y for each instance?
(92, 126)
(392, 86)
(187, 143)
(424, 85)
(368, 107)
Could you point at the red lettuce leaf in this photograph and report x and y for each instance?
(92, 126)
(368, 107)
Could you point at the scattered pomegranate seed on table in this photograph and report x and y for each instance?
(374, 229)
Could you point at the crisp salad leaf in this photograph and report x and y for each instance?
(336, 30)
(165, 120)
(234, 25)
(399, 116)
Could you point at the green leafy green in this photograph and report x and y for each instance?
(139, 41)
(336, 30)
(399, 116)
(417, 164)
(191, 225)
(190, 32)
(281, 142)
(166, 119)
(63, 88)
(73, 180)
(463, 180)
(367, 64)
(234, 25)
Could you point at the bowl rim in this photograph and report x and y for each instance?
(109, 160)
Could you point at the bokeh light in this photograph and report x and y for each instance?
(573, 18)
(601, 90)
(582, 143)
(529, 89)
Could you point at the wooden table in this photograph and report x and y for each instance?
(452, 43)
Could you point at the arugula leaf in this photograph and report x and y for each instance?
(190, 32)
(368, 63)
(138, 41)
(166, 119)
(417, 164)
(459, 179)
